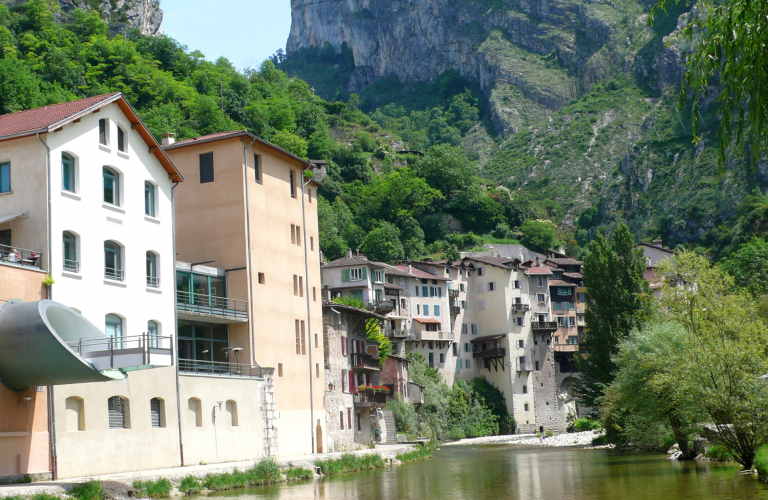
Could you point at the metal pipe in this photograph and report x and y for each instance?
(248, 243)
(176, 322)
(309, 320)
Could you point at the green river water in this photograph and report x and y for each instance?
(527, 473)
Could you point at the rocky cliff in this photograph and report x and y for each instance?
(531, 57)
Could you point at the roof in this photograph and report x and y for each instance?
(351, 284)
(47, 119)
(655, 247)
(502, 262)
(392, 285)
(576, 276)
(218, 136)
(393, 271)
(430, 321)
(418, 273)
(488, 337)
(561, 283)
(541, 270)
(350, 261)
(567, 261)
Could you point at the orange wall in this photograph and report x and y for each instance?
(24, 446)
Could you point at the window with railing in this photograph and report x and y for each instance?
(153, 281)
(71, 262)
(113, 261)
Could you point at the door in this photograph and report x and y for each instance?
(319, 432)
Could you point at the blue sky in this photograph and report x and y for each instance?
(243, 31)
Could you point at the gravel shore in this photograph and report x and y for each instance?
(580, 439)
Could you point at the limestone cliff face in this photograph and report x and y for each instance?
(530, 56)
(125, 14)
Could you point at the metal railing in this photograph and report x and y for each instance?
(369, 399)
(426, 335)
(399, 333)
(455, 310)
(153, 282)
(453, 293)
(220, 368)
(142, 341)
(544, 325)
(71, 266)
(496, 352)
(383, 304)
(199, 303)
(114, 274)
(520, 307)
(20, 256)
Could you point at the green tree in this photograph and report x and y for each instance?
(383, 243)
(539, 235)
(749, 267)
(290, 142)
(616, 301)
(373, 332)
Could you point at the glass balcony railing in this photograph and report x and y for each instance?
(219, 368)
(20, 256)
(211, 305)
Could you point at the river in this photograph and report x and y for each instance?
(508, 472)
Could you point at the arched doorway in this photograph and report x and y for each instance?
(319, 433)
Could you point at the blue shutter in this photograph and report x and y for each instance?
(437, 310)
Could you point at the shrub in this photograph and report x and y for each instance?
(717, 452)
(159, 488)
(600, 440)
(420, 453)
(549, 433)
(350, 463)
(44, 496)
(406, 419)
(297, 473)
(585, 424)
(668, 442)
(87, 491)
(265, 472)
(190, 485)
(761, 461)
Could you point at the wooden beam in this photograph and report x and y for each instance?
(97, 110)
(59, 129)
(136, 125)
(152, 149)
(77, 121)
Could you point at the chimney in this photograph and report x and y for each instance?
(538, 261)
(349, 253)
(410, 268)
(327, 292)
(357, 252)
(168, 138)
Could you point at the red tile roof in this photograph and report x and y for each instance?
(52, 117)
(567, 261)
(538, 270)
(430, 321)
(418, 273)
(40, 119)
(561, 283)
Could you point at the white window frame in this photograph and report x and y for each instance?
(356, 274)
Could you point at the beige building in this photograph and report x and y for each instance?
(241, 211)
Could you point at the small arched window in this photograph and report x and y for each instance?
(119, 413)
(153, 281)
(149, 199)
(195, 407)
(113, 328)
(67, 172)
(111, 186)
(157, 412)
(113, 261)
(71, 262)
(232, 411)
(153, 333)
(75, 408)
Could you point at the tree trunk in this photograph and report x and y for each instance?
(682, 440)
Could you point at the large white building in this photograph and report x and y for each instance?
(89, 199)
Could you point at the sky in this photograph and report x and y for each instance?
(244, 31)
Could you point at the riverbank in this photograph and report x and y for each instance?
(197, 474)
(572, 439)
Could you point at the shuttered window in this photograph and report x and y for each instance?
(117, 406)
(154, 412)
(206, 168)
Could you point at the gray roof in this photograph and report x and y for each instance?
(351, 261)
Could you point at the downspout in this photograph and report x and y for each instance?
(309, 320)
(176, 322)
(51, 413)
(248, 243)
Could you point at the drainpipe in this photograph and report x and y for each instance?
(176, 322)
(309, 321)
(248, 243)
(51, 413)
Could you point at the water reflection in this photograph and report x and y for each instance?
(504, 472)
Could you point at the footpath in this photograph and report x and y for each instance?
(63, 486)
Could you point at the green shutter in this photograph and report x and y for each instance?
(345, 275)
(365, 276)
(383, 277)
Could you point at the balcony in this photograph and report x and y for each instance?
(20, 257)
(455, 310)
(453, 293)
(544, 326)
(523, 364)
(114, 274)
(382, 305)
(220, 369)
(369, 399)
(110, 353)
(521, 307)
(71, 266)
(364, 361)
(214, 309)
(431, 336)
(399, 333)
(495, 352)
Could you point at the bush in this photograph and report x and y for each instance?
(350, 463)
(420, 453)
(159, 488)
(190, 485)
(718, 452)
(585, 424)
(667, 443)
(87, 491)
(761, 461)
(406, 419)
(297, 473)
(600, 440)
(549, 433)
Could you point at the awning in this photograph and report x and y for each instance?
(9, 218)
(429, 321)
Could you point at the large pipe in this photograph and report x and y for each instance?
(34, 350)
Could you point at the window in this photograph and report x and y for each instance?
(113, 261)
(295, 285)
(195, 407)
(542, 298)
(121, 146)
(71, 262)
(418, 309)
(417, 290)
(113, 327)
(572, 340)
(206, 168)
(349, 418)
(431, 360)
(309, 195)
(464, 329)
(466, 347)
(75, 408)
(312, 243)
(437, 310)
(314, 296)
(154, 333)
(442, 358)
(564, 291)
(67, 173)
(103, 132)
(519, 321)
(359, 424)
(462, 287)
(580, 297)
(149, 199)
(5, 177)
(301, 346)
(257, 167)
(474, 329)
(293, 234)
(526, 406)
(525, 389)
(455, 349)
(157, 412)
(153, 281)
(491, 286)
(356, 274)
(341, 412)
(232, 411)
(537, 366)
(521, 344)
(262, 279)
(111, 186)
(378, 277)
(298, 235)
(425, 291)
(468, 363)
(293, 185)
(279, 369)
(119, 413)
(481, 271)
(463, 304)
(317, 368)
(539, 281)
(517, 284)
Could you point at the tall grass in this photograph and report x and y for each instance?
(350, 463)
(266, 471)
(86, 491)
(298, 473)
(159, 488)
(190, 485)
(420, 453)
